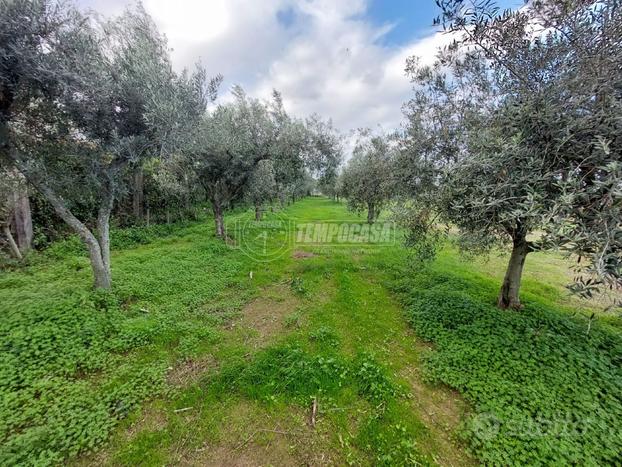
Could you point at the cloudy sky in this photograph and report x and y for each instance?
(343, 59)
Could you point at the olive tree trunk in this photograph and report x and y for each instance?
(371, 213)
(9, 237)
(138, 195)
(22, 218)
(218, 219)
(509, 296)
(98, 249)
(103, 229)
(258, 212)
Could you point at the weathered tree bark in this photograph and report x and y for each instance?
(100, 260)
(6, 99)
(371, 213)
(258, 212)
(138, 195)
(9, 236)
(22, 218)
(98, 254)
(100, 257)
(509, 296)
(218, 219)
(103, 229)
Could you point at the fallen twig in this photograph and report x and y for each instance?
(313, 412)
(183, 410)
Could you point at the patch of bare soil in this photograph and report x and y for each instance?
(254, 436)
(260, 320)
(264, 317)
(299, 254)
(441, 409)
(152, 418)
(190, 371)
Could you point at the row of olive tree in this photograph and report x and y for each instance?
(514, 136)
(367, 179)
(253, 151)
(88, 106)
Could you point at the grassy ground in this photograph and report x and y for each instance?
(204, 356)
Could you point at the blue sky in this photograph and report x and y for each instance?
(343, 59)
(411, 19)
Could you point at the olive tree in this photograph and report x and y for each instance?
(303, 151)
(9, 181)
(367, 176)
(288, 149)
(15, 214)
(261, 186)
(229, 144)
(167, 179)
(78, 107)
(534, 95)
(324, 153)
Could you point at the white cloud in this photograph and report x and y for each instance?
(326, 57)
(206, 23)
(338, 68)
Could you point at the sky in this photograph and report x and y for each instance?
(342, 59)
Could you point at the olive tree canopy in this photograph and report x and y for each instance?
(80, 101)
(523, 135)
(367, 176)
(229, 144)
(261, 186)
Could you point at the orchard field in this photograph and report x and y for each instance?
(202, 355)
(304, 232)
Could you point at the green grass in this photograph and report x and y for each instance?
(545, 383)
(181, 363)
(74, 361)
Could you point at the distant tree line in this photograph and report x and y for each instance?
(96, 127)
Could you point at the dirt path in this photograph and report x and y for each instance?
(325, 303)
